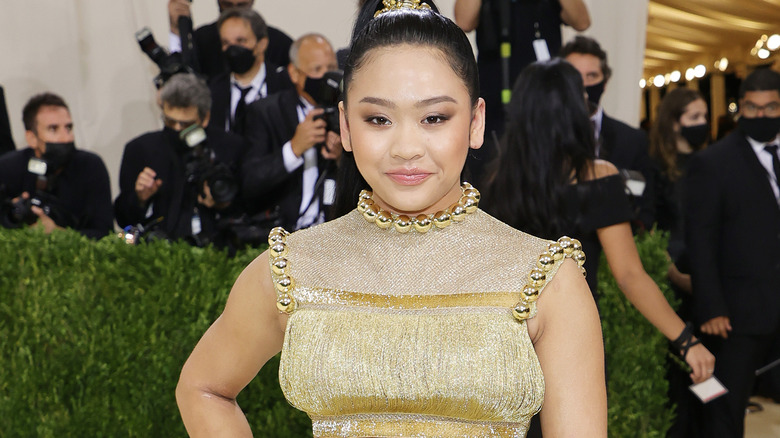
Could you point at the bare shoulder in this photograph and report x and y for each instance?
(599, 168)
(253, 295)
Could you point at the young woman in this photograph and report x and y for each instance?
(547, 181)
(679, 131)
(416, 313)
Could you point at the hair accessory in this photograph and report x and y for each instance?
(395, 5)
(423, 223)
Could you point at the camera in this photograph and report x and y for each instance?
(17, 213)
(327, 98)
(169, 63)
(200, 167)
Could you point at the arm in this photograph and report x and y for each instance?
(575, 14)
(467, 14)
(248, 333)
(623, 258)
(567, 339)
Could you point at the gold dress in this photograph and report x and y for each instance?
(411, 334)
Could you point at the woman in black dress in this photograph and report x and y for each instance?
(547, 181)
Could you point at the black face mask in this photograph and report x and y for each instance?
(172, 138)
(695, 135)
(239, 59)
(595, 91)
(57, 155)
(761, 129)
(314, 88)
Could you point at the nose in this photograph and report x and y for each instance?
(407, 143)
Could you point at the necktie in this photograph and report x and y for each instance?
(772, 149)
(238, 124)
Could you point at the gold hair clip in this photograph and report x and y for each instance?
(396, 5)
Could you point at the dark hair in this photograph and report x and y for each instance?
(33, 106)
(255, 20)
(762, 79)
(548, 142)
(587, 46)
(406, 26)
(663, 138)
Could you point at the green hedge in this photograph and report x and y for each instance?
(93, 336)
(636, 352)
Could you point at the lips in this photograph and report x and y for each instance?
(408, 177)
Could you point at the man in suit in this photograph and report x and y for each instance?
(170, 187)
(732, 223)
(244, 37)
(287, 164)
(616, 142)
(64, 187)
(207, 43)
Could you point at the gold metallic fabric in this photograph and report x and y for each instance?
(409, 335)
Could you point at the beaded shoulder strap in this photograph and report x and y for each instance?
(546, 266)
(280, 271)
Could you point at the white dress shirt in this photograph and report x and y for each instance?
(766, 160)
(310, 209)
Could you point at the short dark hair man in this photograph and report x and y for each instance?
(283, 168)
(161, 179)
(244, 37)
(732, 226)
(616, 142)
(207, 43)
(68, 187)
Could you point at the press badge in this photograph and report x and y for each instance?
(541, 50)
(709, 389)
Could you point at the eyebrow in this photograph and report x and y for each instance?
(421, 104)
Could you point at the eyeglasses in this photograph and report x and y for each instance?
(177, 124)
(750, 109)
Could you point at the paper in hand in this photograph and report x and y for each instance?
(709, 389)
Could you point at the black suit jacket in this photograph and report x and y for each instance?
(212, 61)
(271, 122)
(732, 226)
(6, 139)
(175, 200)
(627, 148)
(276, 80)
(81, 192)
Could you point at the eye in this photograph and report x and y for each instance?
(435, 119)
(378, 120)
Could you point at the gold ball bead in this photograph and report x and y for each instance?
(579, 257)
(279, 230)
(371, 212)
(279, 266)
(284, 284)
(442, 219)
(521, 312)
(538, 278)
(275, 238)
(576, 244)
(384, 220)
(555, 251)
(530, 293)
(458, 212)
(546, 262)
(279, 249)
(465, 185)
(365, 194)
(470, 204)
(285, 304)
(472, 193)
(403, 223)
(566, 244)
(422, 223)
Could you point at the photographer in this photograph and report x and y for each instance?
(293, 140)
(52, 184)
(176, 187)
(206, 41)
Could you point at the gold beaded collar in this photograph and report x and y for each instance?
(395, 5)
(422, 223)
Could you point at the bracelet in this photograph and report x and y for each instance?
(685, 341)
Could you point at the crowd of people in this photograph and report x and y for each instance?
(263, 134)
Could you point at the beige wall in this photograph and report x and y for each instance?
(85, 50)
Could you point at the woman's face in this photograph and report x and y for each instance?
(695, 113)
(410, 123)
